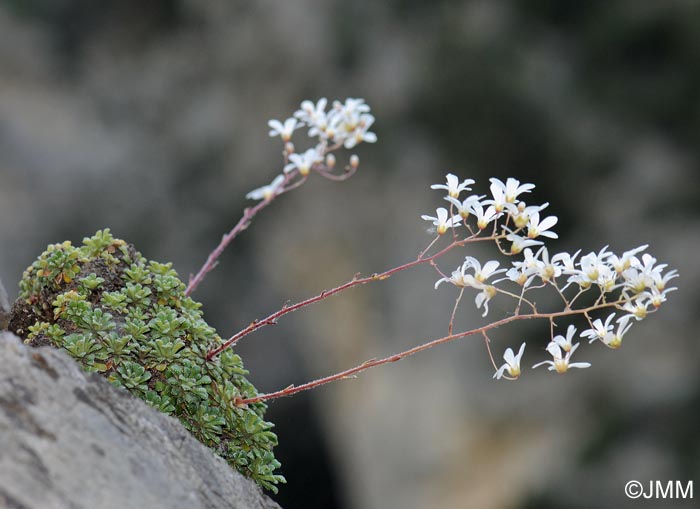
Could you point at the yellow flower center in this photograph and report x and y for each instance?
(561, 366)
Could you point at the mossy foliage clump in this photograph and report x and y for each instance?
(129, 319)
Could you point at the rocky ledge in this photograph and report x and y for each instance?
(71, 440)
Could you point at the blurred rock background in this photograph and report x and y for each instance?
(150, 118)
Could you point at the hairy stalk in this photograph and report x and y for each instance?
(248, 214)
(356, 281)
(293, 389)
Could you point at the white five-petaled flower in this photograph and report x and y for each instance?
(512, 364)
(483, 217)
(524, 272)
(547, 270)
(481, 274)
(303, 162)
(519, 243)
(661, 281)
(566, 343)
(442, 221)
(521, 212)
(266, 192)
(313, 114)
(457, 277)
(627, 260)
(559, 363)
(599, 329)
(614, 339)
(638, 308)
(656, 297)
(477, 280)
(535, 227)
(567, 261)
(522, 275)
(360, 133)
(508, 192)
(453, 186)
(285, 130)
(464, 208)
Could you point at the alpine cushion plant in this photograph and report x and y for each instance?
(128, 319)
(135, 322)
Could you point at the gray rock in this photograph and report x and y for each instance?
(71, 440)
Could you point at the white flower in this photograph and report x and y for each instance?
(523, 272)
(655, 296)
(361, 133)
(546, 269)
(521, 213)
(614, 340)
(456, 278)
(266, 192)
(483, 217)
(519, 243)
(561, 364)
(522, 275)
(599, 330)
(507, 193)
(535, 227)
(478, 279)
(347, 123)
(639, 308)
(304, 162)
(512, 364)
(606, 279)
(591, 266)
(313, 114)
(283, 130)
(661, 281)
(627, 259)
(567, 261)
(441, 221)
(453, 187)
(481, 274)
(636, 280)
(566, 343)
(464, 208)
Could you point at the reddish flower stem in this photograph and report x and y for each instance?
(293, 389)
(356, 281)
(248, 214)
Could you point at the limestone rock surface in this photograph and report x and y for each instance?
(71, 440)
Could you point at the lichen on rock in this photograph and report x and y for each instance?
(129, 319)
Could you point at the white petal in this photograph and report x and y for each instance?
(580, 365)
(509, 356)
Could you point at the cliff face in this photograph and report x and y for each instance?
(68, 439)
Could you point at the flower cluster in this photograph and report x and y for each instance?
(345, 124)
(634, 284)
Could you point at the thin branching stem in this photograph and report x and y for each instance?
(348, 373)
(356, 281)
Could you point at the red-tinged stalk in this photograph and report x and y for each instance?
(293, 389)
(356, 281)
